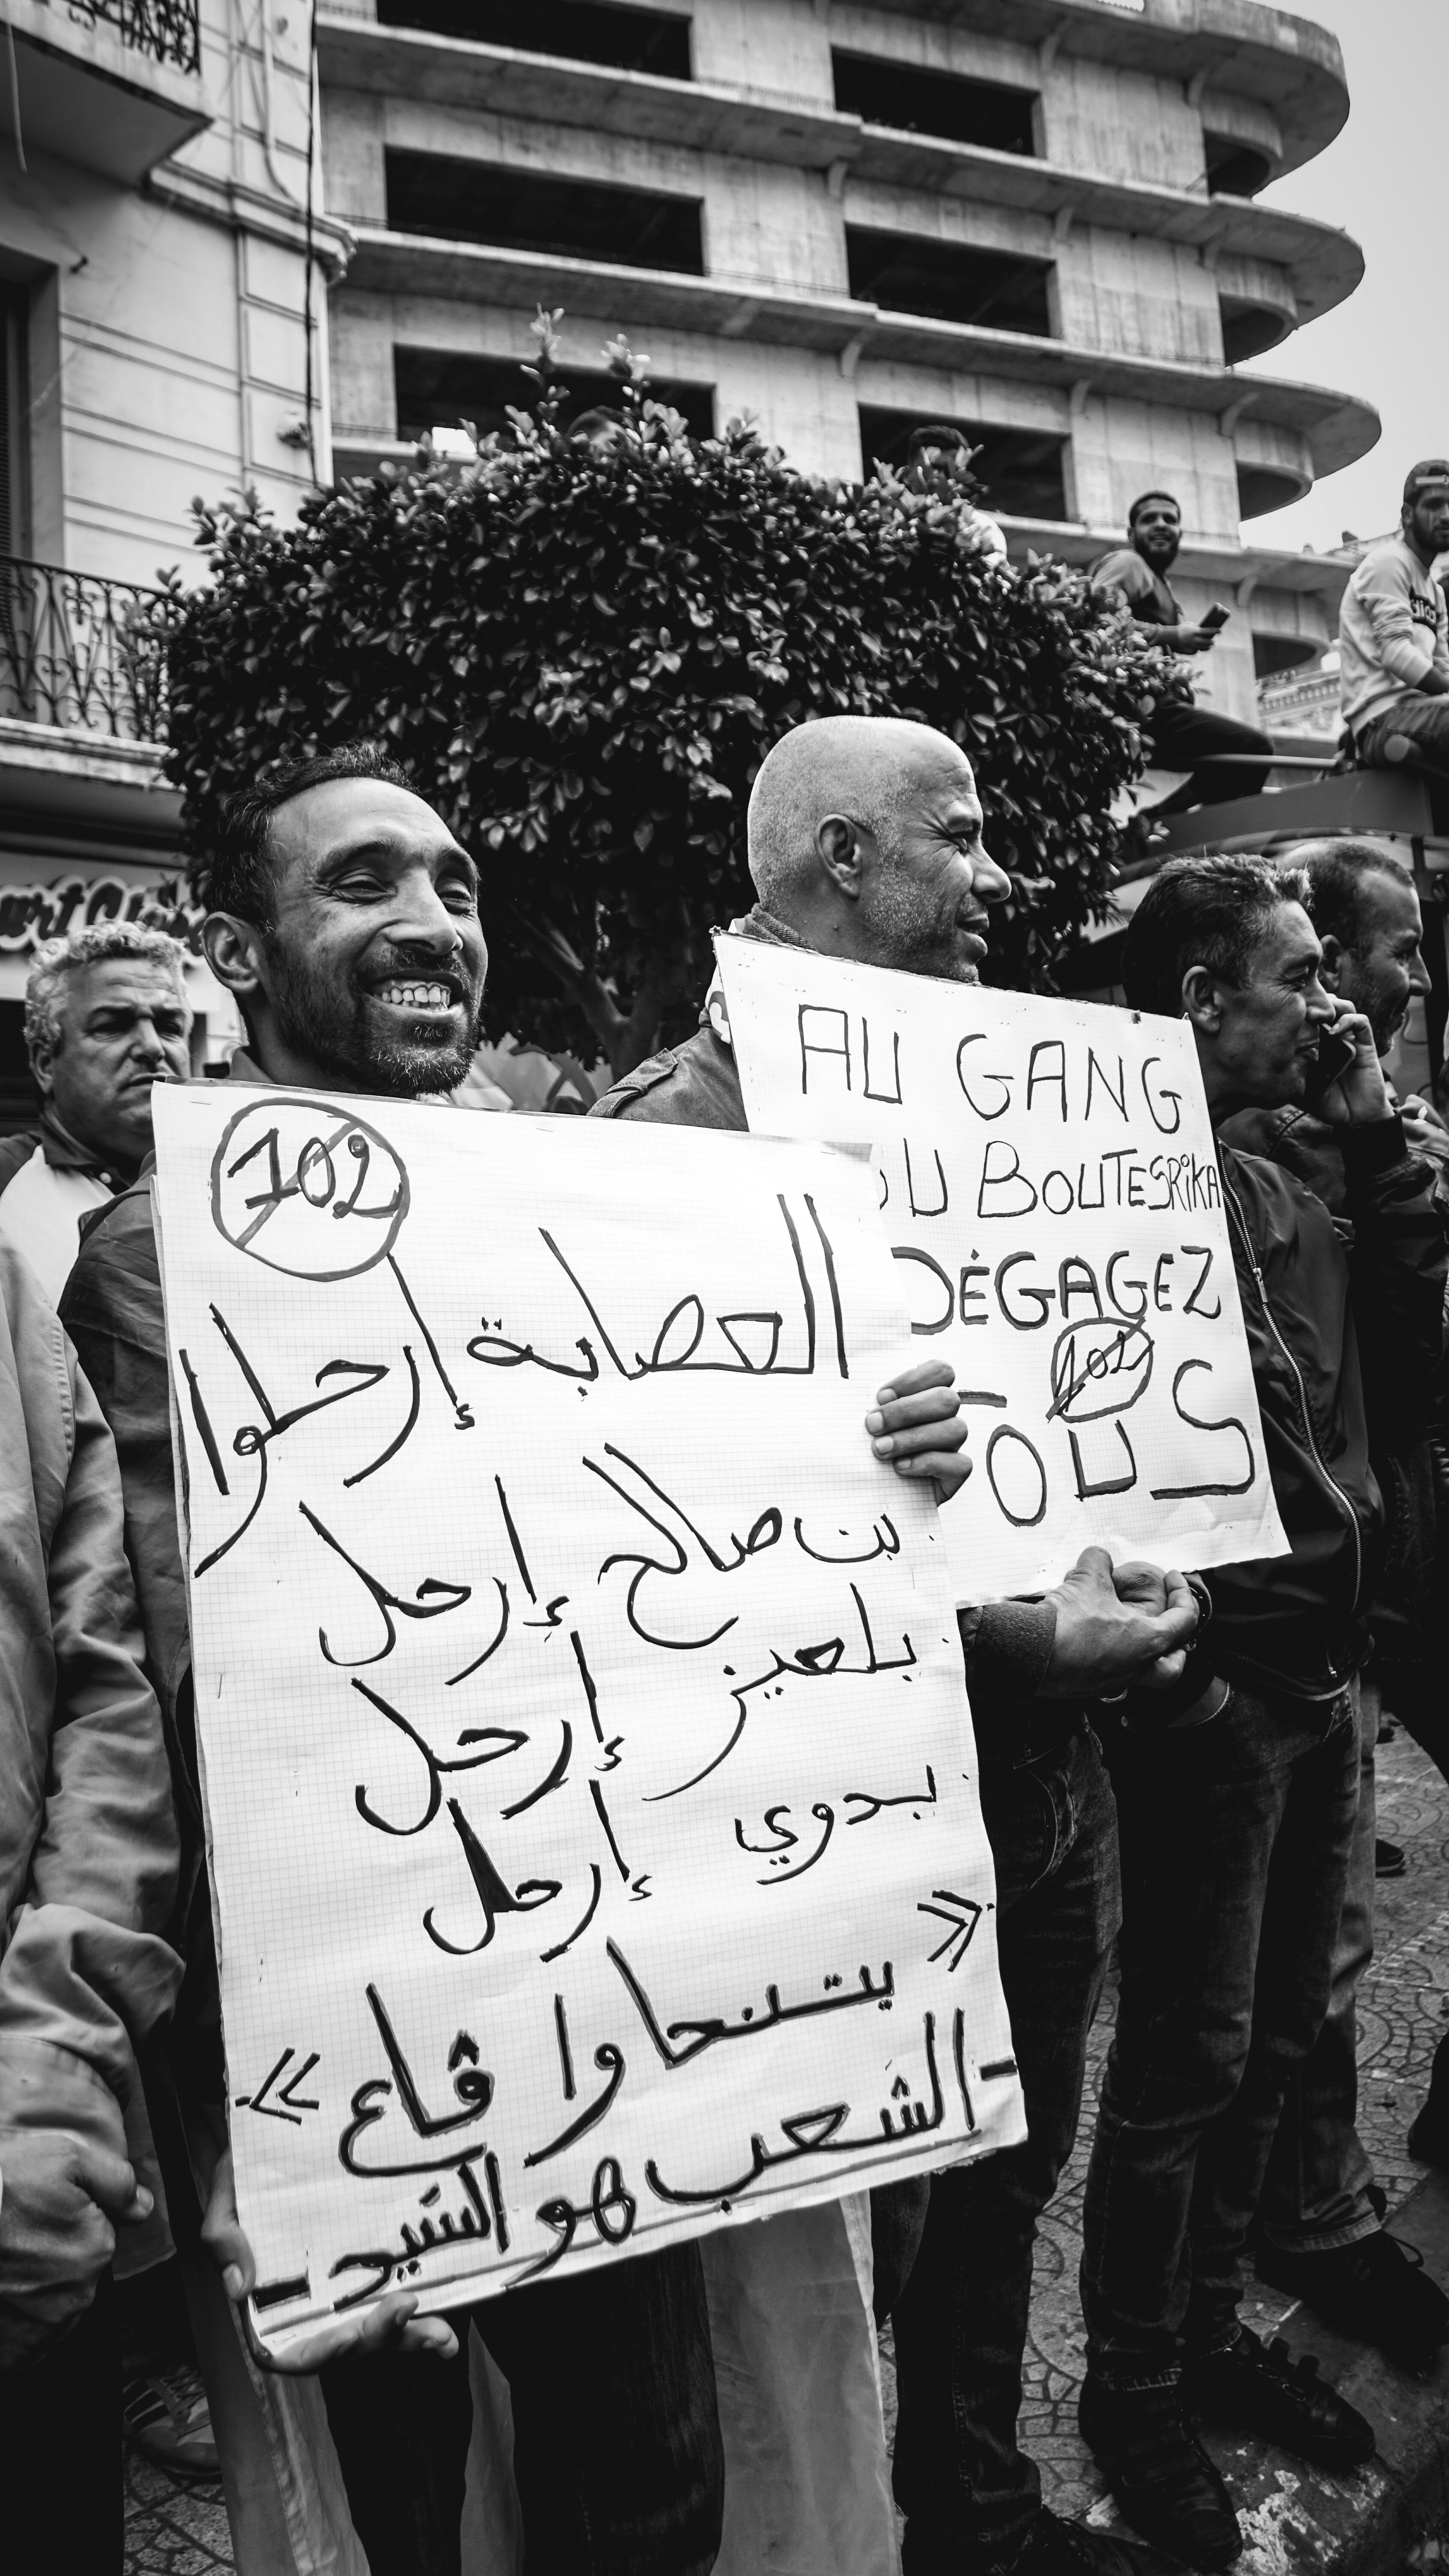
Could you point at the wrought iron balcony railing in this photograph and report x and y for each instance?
(81, 653)
(168, 30)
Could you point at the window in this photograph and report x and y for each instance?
(1021, 469)
(441, 388)
(14, 514)
(1234, 169)
(586, 31)
(921, 102)
(456, 200)
(949, 281)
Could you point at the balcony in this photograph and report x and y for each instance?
(81, 654)
(1294, 69)
(392, 61)
(83, 707)
(112, 84)
(1337, 428)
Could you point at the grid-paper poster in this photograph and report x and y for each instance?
(1049, 1188)
(589, 1779)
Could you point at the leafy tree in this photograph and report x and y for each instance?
(583, 652)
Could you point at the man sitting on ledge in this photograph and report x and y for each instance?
(1393, 632)
(1215, 750)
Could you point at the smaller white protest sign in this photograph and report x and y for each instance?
(1050, 1190)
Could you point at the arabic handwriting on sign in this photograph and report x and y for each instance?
(612, 2208)
(495, 1896)
(452, 1596)
(871, 1806)
(816, 2132)
(704, 2032)
(822, 1660)
(472, 2088)
(306, 1189)
(609, 2061)
(782, 1869)
(254, 1439)
(751, 1336)
(443, 2234)
(496, 1741)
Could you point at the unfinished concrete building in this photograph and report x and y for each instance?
(1037, 218)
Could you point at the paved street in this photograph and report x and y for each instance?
(1404, 2006)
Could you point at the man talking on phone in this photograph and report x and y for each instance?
(1181, 736)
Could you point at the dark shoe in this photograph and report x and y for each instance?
(1160, 2476)
(1376, 2289)
(1390, 1860)
(1260, 2388)
(168, 2420)
(1056, 2548)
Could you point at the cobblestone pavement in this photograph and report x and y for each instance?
(1403, 2008)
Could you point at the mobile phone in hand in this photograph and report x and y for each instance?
(1216, 618)
(1336, 1056)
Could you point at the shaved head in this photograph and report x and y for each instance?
(865, 837)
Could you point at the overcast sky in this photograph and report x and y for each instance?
(1384, 182)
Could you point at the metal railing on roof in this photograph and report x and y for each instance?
(81, 653)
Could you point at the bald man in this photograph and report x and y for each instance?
(865, 841)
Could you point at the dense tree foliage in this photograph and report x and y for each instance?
(582, 654)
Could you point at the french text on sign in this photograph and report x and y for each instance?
(1047, 1180)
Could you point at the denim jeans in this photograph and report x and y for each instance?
(617, 2454)
(1316, 2194)
(969, 2495)
(1424, 720)
(1235, 1844)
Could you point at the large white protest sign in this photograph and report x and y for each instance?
(1049, 1187)
(589, 1779)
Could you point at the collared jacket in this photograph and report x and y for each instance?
(112, 1308)
(49, 1184)
(1344, 1319)
(88, 1844)
(1404, 1611)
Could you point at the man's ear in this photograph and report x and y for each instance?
(839, 846)
(1202, 1001)
(233, 952)
(42, 1056)
(1330, 964)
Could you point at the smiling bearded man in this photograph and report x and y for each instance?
(343, 916)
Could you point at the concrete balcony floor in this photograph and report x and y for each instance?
(1339, 428)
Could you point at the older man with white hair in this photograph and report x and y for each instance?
(106, 1018)
(866, 842)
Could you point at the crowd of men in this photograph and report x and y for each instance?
(1176, 1771)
